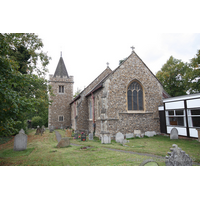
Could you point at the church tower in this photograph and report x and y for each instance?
(62, 87)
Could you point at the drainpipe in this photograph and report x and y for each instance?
(75, 115)
(94, 125)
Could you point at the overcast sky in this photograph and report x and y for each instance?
(91, 33)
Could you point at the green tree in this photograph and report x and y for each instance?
(193, 74)
(21, 90)
(173, 77)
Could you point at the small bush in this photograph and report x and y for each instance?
(37, 121)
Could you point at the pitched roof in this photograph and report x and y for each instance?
(61, 69)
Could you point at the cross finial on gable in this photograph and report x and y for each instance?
(107, 64)
(61, 54)
(132, 48)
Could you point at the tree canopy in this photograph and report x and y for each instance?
(179, 78)
(23, 87)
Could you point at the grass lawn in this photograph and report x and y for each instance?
(42, 151)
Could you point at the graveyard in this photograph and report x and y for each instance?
(78, 150)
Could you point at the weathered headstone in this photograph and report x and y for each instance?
(137, 133)
(129, 135)
(64, 142)
(38, 130)
(90, 136)
(76, 136)
(150, 133)
(177, 157)
(123, 142)
(83, 137)
(69, 133)
(105, 139)
(149, 162)
(58, 136)
(119, 136)
(42, 130)
(51, 129)
(174, 134)
(20, 141)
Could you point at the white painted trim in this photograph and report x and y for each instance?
(193, 132)
(179, 98)
(195, 103)
(160, 108)
(181, 131)
(174, 105)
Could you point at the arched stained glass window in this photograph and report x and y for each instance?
(135, 96)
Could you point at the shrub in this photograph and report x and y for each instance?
(37, 121)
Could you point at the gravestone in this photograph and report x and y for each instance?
(119, 136)
(129, 135)
(105, 139)
(51, 129)
(76, 136)
(83, 137)
(137, 133)
(64, 142)
(177, 157)
(20, 141)
(174, 134)
(42, 130)
(90, 136)
(58, 136)
(38, 131)
(149, 162)
(123, 142)
(69, 133)
(150, 133)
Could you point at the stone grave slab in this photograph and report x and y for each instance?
(51, 129)
(174, 134)
(58, 136)
(105, 139)
(64, 142)
(129, 135)
(90, 136)
(150, 133)
(119, 136)
(177, 157)
(69, 133)
(20, 141)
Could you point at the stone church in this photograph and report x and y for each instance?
(122, 100)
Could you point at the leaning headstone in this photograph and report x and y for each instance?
(174, 134)
(83, 137)
(105, 139)
(20, 141)
(58, 136)
(64, 142)
(119, 136)
(38, 130)
(150, 133)
(90, 136)
(42, 129)
(129, 135)
(177, 157)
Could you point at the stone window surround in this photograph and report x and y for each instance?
(144, 107)
(63, 89)
(59, 118)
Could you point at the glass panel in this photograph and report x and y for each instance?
(196, 121)
(130, 100)
(179, 112)
(140, 100)
(135, 103)
(179, 121)
(195, 112)
(171, 112)
(62, 89)
(59, 89)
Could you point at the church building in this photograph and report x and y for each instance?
(122, 100)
